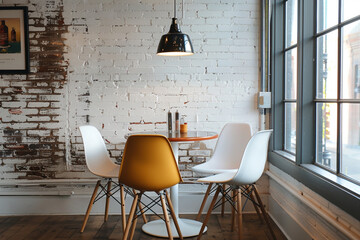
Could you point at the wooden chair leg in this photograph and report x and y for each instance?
(166, 216)
(122, 201)
(142, 213)
(251, 194)
(239, 212)
(209, 212)
(141, 210)
(264, 212)
(204, 201)
(233, 215)
(172, 212)
(131, 216)
(90, 205)
(133, 226)
(108, 194)
(223, 201)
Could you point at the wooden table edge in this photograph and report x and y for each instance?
(191, 139)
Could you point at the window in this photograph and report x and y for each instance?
(337, 99)
(315, 58)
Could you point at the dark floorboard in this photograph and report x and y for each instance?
(68, 227)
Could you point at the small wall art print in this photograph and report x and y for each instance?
(14, 40)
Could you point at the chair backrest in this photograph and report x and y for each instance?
(231, 145)
(253, 162)
(148, 163)
(96, 154)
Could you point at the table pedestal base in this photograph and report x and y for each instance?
(188, 227)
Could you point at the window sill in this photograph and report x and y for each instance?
(333, 178)
(286, 155)
(341, 182)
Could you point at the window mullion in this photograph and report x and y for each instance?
(339, 108)
(277, 71)
(305, 151)
(300, 44)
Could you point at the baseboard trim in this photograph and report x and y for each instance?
(66, 200)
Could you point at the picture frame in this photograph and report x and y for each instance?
(14, 40)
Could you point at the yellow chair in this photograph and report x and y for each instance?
(149, 164)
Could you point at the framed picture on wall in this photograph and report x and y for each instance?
(14, 40)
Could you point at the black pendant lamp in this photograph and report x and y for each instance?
(175, 43)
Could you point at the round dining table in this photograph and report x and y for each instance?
(188, 227)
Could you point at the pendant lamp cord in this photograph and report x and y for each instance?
(182, 8)
(174, 8)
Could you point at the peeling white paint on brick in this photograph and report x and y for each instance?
(114, 78)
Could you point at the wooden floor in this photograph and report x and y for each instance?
(68, 227)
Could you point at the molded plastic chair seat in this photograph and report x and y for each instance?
(149, 164)
(210, 168)
(242, 181)
(96, 155)
(109, 172)
(224, 177)
(229, 149)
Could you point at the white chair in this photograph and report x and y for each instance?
(242, 181)
(227, 155)
(100, 164)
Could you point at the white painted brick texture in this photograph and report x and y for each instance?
(125, 85)
(114, 80)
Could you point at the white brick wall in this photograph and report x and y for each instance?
(114, 79)
(113, 59)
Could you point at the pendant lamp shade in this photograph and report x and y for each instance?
(175, 43)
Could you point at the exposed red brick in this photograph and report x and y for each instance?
(160, 122)
(15, 111)
(44, 84)
(14, 146)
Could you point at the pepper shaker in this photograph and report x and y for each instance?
(177, 121)
(169, 122)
